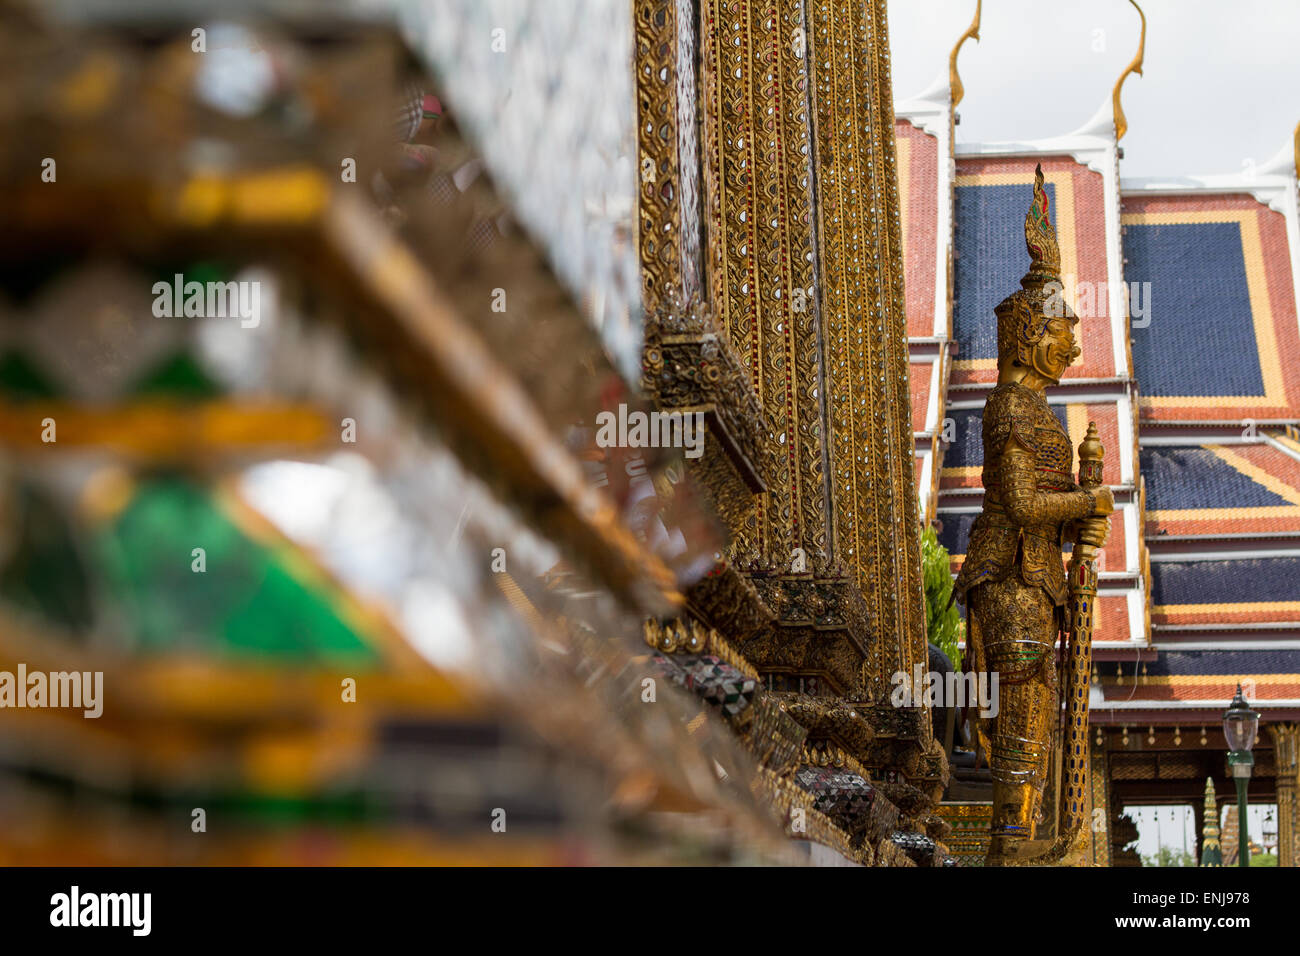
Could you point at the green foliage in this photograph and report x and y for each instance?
(944, 625)
(1169, 856)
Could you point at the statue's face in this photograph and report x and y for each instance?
(1055, 351)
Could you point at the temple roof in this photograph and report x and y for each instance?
(1221, 342)
(992, 192)
(1216, 591)
(1220, 489)
(1207, 675)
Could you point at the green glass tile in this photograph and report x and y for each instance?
(180, 376)
(246, 603)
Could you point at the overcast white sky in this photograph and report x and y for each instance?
(1221, 83)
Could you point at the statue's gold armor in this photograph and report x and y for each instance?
(1014, 582)
(1013, 578)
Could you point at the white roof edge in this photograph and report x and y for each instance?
(1269, 183)
(1102, 123)
(1229, 646)
(936, 94)
(1283, 161)
(1103, 707)
(1095, 152)
(930, 109)
(932, 122)
(1093, 144)
(1266, 189)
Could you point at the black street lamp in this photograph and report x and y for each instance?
(1240, 725)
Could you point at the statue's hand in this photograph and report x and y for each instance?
(1105, 501)
(1094, 531)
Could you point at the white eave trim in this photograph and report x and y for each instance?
(1227, 646)
(1098, 153)
(1209, 554)
(1268, 188)
(1109, 705)
(930, 109)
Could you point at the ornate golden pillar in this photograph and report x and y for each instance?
(759, 193)
(864, 324)
(759, 189)
(1286, 756)
(687, 363)
(798, 275)
(805, 273)
(668, 170)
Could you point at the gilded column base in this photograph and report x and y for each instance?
(819, 642)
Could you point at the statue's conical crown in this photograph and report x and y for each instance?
(1024, 315)
(1040, 235)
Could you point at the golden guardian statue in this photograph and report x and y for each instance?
(1014, 582)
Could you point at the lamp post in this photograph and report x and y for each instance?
(1240, 725)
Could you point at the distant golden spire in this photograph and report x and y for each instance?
(1211, 853)
(1121, 124)
(973, 31)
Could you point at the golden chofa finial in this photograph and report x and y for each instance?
(1121, 123)
(972, 32)
(1040, 234)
